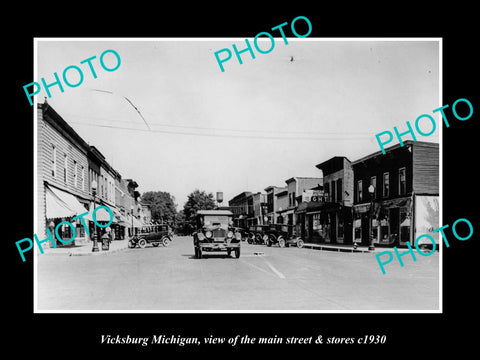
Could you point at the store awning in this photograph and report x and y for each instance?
(102, 214)
(60, 204)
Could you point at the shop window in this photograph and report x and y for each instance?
(340, 228)
(384, 233)
(357, 225)
(404, 225)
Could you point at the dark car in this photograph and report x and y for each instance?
(283, 235)
(258, 234)
(155, 235)
(215, 233)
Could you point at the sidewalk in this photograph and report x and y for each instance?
(338, 247)
(86, 249)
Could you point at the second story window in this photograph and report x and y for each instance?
(54, 159)
(373, 181)
(65, 166)
(402, 183)
(359, 191)
(386, 185)
(75, 173)
(333, 191)
(339, 190)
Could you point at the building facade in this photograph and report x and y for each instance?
(238, 205)
(62, 176)
(295, 187)
(271, 203)
(404, 199)
(328, 218)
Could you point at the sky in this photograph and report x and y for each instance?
(252, 126)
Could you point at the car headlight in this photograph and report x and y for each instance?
(238, 236)
(230, 234)
(200, 236)
(208, 234)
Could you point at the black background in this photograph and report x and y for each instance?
(61, 335)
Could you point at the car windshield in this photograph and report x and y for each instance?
(216, 221)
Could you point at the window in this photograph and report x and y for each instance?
(75, 174)
(373, 182)
(359, 191)
(83, 178)
(386, 185)
(402, 184)
(65, 165)
(339, 190)
(54, 159)
(333, 191)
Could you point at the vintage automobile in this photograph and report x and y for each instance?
(215, 233)
(283, 235)
(155, 235)
(257, 234)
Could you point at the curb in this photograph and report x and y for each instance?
(337, 249)
(101, 252)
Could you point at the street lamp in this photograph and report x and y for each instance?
(95, 233)
(131, 213)
(371, 190)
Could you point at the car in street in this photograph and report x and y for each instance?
(215, 233)
(283, 235)
(257, 234)
(155, 235)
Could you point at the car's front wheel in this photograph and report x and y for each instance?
(237, 253)
(281, 242)
(142, 243)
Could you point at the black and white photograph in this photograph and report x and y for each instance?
(224, 180)
(253, 187)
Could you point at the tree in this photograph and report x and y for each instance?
(162, 205)
(197, 200)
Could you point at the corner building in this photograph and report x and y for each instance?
(404, 202)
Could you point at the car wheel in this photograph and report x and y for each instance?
(165, 241)
(300, 243)
(131, 244)
(199, 252)
(142, 243)
(281, 242)
(196, 252)
(237, 253)
(229, 253)
(268, 243)
(155, 244)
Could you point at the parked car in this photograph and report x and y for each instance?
(215, 233)
(283, 235)
(257, 234)
(155, 235)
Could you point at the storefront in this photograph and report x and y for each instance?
(61, 206)
(391, 222)
(329, 223)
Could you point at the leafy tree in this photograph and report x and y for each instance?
(197, 200)
(162, 205)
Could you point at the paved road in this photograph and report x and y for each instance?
(281, 279)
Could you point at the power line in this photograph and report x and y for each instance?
(225, 135)
(366, 134)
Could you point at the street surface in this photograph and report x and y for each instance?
(170, 278)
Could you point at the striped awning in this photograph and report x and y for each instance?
(60, 204)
